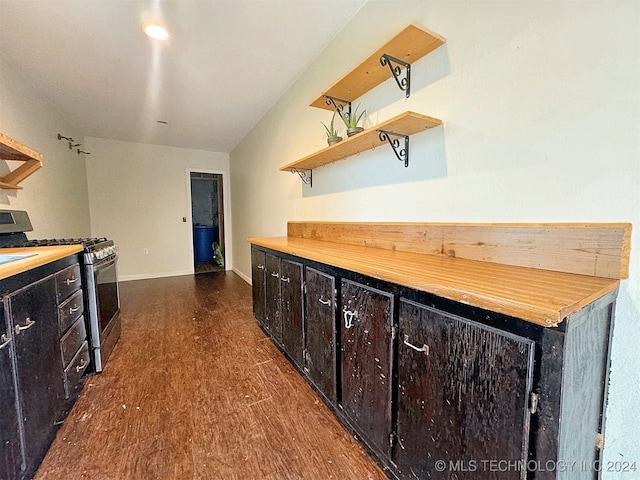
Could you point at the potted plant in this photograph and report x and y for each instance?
(351, 121)
(332, 133)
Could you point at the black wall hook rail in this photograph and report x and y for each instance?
(73, 145)
(339, 105)
(305, 175)
(401, 153)
(395, 65)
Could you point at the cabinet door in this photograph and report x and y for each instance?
(273, 320)
(39, 366)
(463, 396)
(367, 353)
(10, 456)
(320, 326)
(291, 309)
(258, 268)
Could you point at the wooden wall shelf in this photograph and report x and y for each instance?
(12, 150)
(407, 123)
(409, 45)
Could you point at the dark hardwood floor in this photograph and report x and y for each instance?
(195, 390)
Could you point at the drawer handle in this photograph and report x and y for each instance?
(424, 349)
(21, 328)
(74, 309)
(83, 364)
(348, 317)
(71, 280)
(260, 267)
(5, 341)
(324, 302)
(285, 279)
(275, 274)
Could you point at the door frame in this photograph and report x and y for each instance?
(226, 212)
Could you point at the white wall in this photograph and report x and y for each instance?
(56, 195)
(138, 195)
(540, 103)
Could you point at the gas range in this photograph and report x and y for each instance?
(95, 249)
(87, 243)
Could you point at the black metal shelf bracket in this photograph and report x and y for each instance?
(339, 105)
(305, 175)
(395, 65)
(401, 153)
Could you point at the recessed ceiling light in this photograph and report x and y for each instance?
(156, 31)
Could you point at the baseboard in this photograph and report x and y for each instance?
(146, 276)
(242, 275)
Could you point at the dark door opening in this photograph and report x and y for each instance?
(207, 218)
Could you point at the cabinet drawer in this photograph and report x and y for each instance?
(75, 369)
(70, 310)
(72, 340)
(68, 281)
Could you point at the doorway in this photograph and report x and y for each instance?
(207, 220)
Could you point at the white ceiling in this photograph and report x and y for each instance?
(225, 65)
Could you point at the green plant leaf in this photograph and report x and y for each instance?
(352, 120)
(331, 130)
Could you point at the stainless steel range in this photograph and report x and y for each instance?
(100, 279)
(103, 295)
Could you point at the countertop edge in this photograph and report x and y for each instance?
(548, 315)
(42, 256)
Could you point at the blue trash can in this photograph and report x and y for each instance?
(202, 243)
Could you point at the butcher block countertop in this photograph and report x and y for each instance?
(542, 296)
(38, 256)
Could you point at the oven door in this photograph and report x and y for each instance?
(104, 308)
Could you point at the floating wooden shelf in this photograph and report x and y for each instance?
(409, 45)
(407, 123)
(12, 150)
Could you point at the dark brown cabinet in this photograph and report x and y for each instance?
(33, 313)
(320, 326)
(463, 396)
(419, 378)
(10, 456)
(303, 325)
(258, 284)
(32, 375)
(273, 320)
(291, 310)
(367, 356)
(277, 292)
